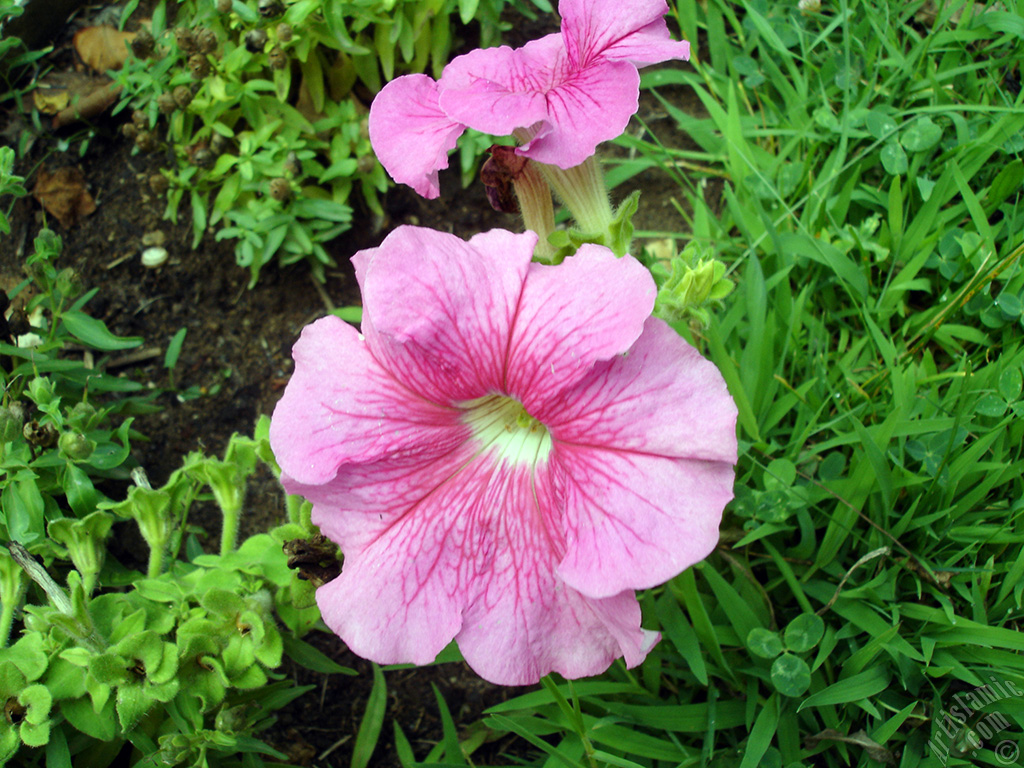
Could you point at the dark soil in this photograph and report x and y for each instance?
(238, 353)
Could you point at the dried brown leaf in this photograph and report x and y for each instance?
(103, 47)
(63, 195)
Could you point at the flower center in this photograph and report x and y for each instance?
(504, 428)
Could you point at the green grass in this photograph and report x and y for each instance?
(873, 219)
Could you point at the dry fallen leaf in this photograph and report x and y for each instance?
(59, 89)
(103, 47)
(63, 195)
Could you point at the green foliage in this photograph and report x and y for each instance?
(865, 604)
(181, 661)
(264, 111)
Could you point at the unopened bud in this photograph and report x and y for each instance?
(182, 95)
(80, 417)
(185, 39)
(280, 189)
(69, 283)
(76, 446)
(165, 103)
(143, 44)
(224, 6)
(284, 32)
(206, 40)
(199, 66)
(278, 59)
(41, 390)
(255, 40)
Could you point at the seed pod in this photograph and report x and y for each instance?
(292, 164)
(185, 39)
(284, 32)
(206, 40)
(224, 6)
(219, 144)
(143, 44)
(203, 158)
(129, 131)
(255, 40)
(166, 103)
(277, 58)
(76, 446)
(280, 189)
(146, 141)
(69, 282)
(81, 416)
(182, 96)
(199, 65)
(269, 8)
(140, 119)
(41, 435)
(158, 183)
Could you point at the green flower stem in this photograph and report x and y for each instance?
(582, 190)
(534, 196)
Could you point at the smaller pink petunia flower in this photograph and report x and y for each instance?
(561, 95)
(504, 454)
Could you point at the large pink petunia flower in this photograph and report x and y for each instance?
(504, 455)
(562, 95)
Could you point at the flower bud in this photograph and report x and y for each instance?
(80, 417)
(278, 58)
(185, 39)
(69, 282)
(76, 446)
(146, 141)
(199, 66)
(255, 40)
(284, 32)
(143, 44)
(182, 96)
(206, 40)
(219, 144)
(224, 6)
(269, 8)
(292, 164)
(158, 183)
(280, 189)
(140, 119)
(41, 390)
(203, 158)
(129, 131)
(165, 103)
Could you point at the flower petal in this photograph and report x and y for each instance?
(618, 30)
(465, 547)
(661, 398)
(589, 308)
(567, 110)
(342, 406)
(634, 520)
(437, 310)
(410, 134)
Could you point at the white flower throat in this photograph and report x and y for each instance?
(503, 427)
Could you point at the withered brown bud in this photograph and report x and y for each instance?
(280, 189)
(158, 183)
(140, 119)
(269, 8)
(203, 158)
(498, 175)
(292, 164)
(143, 44)
(199, 66)
(129, 131)
(185, 39)
(255, 40)
(166, 103)
(284, 32)
(41, 435)
(206, 40)
(146, 141)
(277, 58)
(224, 6)
(182, 96)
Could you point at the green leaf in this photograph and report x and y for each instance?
(920, 135)
(1010, 384)
(95, 333)
(373, 720)
(790, 675)
(311, 658)
(764, 643)
(174, 348)
(854, 688)
(804, 632)
(894, 159)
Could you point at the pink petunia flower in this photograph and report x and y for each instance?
(504, 455)
(561, 95)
